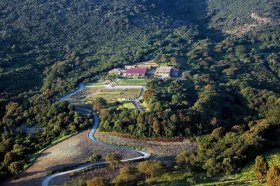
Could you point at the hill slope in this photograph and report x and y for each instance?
(38, 34)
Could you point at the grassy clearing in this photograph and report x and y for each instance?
(176, 178)
(126, 105)
(132, 82)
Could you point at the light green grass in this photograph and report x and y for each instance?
(132, 82)
(175, 178)
(127, 105)
(273, 158)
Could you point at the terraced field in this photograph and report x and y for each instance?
(110, 94)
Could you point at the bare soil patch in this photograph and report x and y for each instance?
(71, 152)
(158, 149)
(165, 151)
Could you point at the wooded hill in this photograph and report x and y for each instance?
(75, 37)
(230, 83)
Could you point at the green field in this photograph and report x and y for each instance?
(132, 82)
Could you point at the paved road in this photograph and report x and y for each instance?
(135, 103)
(143, 155)
(81, 87)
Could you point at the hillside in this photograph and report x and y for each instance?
(225, 97)
(229, 13)
(38, 34)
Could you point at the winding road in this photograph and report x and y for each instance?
(143, 155)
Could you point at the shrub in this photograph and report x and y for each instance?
(97, 181)
(128, 176)
(113, 159)
(261, 168)
(151, 168)
(273, 176)
(94, 158)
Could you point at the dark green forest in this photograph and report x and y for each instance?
(229, 90)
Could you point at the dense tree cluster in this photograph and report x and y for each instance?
(223, 152)
(49, 122)
(228, 88)
(175, 110)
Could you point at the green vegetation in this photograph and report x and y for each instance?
(227, 101)
(97, 182)
(231, 13)
(247, 173)
(126, 105)
(18, 149)
(94, 158)
(132, 82)
(113, 159)
(261, 168)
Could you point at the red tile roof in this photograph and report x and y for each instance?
(136, 71)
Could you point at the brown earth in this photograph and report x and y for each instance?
(157, 149)
(71, 152)
(164, 151)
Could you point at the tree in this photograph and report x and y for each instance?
(151, 168)
(218, 133)
(173, 60)
(273, 176)
(261, 168)
(94, 158)
(15, 167)
(181, 159)
(97, 181)
(99, 104)
(113, 159)
(128, 176)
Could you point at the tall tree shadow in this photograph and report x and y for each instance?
(191, 12)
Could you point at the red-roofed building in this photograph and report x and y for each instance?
(136, 72)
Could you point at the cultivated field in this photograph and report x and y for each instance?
(72, 151)
(132, 82)
(110, 94)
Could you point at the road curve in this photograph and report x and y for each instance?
(144, 155)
